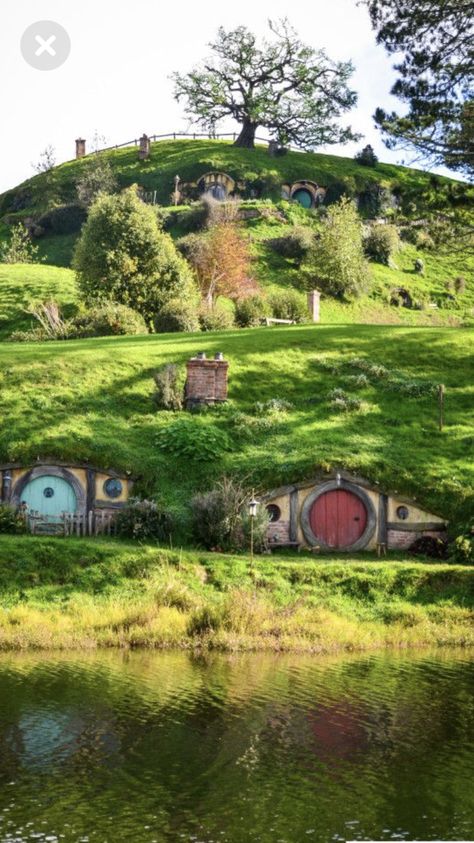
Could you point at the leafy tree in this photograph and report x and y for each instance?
(19, 249)
(295, 91)
(337, 265)
(366, 157)
(123, 256)
(96, 177)
(435, 77)
(221, 259)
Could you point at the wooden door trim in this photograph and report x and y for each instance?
(331, 486)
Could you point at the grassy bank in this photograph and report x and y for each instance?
(77, 593)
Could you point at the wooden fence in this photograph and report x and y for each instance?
(73, 524)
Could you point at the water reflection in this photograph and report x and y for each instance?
(279, 749)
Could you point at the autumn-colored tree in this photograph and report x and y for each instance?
(221, 259)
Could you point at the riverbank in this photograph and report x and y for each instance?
(58, 594)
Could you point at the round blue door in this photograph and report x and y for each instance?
(49, 496)
(303, 197)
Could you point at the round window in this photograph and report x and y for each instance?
(113, 487)
(274, 512)
(403, 513)
(48, 492)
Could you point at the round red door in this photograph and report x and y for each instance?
(338, 518)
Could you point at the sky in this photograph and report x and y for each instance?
(115, 83)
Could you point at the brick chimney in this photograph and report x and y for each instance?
(206, 381)
(80, 148)
(144, 150)
(314, 298)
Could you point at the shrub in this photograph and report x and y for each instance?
(177, 315)
(19, 248)
(217, 515)
(342, 402)
(251, 311)
(381, 243)
(424, 241)
(144, 520)
(217, 318)
(97, 177)
(460, 285)
(65, 219)
(296, 244)
(169, 387)
(191, 438)
(462, 550)
(338, 262)
(108, 320)
(11, 519)
(189, 245)
(222, 261)
(429, 546)
(375, 200)
(366, 157)
(122, 255)
(289, 304)
(419, 266)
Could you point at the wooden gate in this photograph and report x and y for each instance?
(338, 518)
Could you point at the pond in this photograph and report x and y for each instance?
(147, 746)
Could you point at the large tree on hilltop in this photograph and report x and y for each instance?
(293, 90)
(435, 77)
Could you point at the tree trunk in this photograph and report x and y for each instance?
(247, 135)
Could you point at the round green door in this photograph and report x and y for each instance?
(303, 197)
(49, 496)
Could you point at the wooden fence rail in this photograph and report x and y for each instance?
(73, 524)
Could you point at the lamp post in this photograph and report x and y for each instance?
(253, 504)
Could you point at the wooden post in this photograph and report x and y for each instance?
(441, 395)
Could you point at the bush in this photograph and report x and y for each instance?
(169, 387)
(144, 520)
(366, 157)
(296, 244)
(108, 320)
(338, 262)
(419, 266)
(11, 519)
(375, 200)
(343, 402)
(289, 304)
(381, 243)
(65, 219)
(460, 285)
(19, 248)
(424, 241)
(251, 311)
(217, 318)
(217, 515)
(123, 256)
(429, 546)
(178, 315)
(188, 245)
(192, 439)
(462, 550)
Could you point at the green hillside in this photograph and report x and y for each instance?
(267, 218)
(92, 400)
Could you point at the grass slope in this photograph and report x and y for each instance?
(62, 594)
(91, 400)
(21, 284)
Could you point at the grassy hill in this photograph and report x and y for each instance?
(191, 159)
(92, 400)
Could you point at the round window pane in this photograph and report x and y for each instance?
(48, 492)
(274, 512)
(113, 487)
(403, 513)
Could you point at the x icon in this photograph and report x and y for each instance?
(45, 45)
